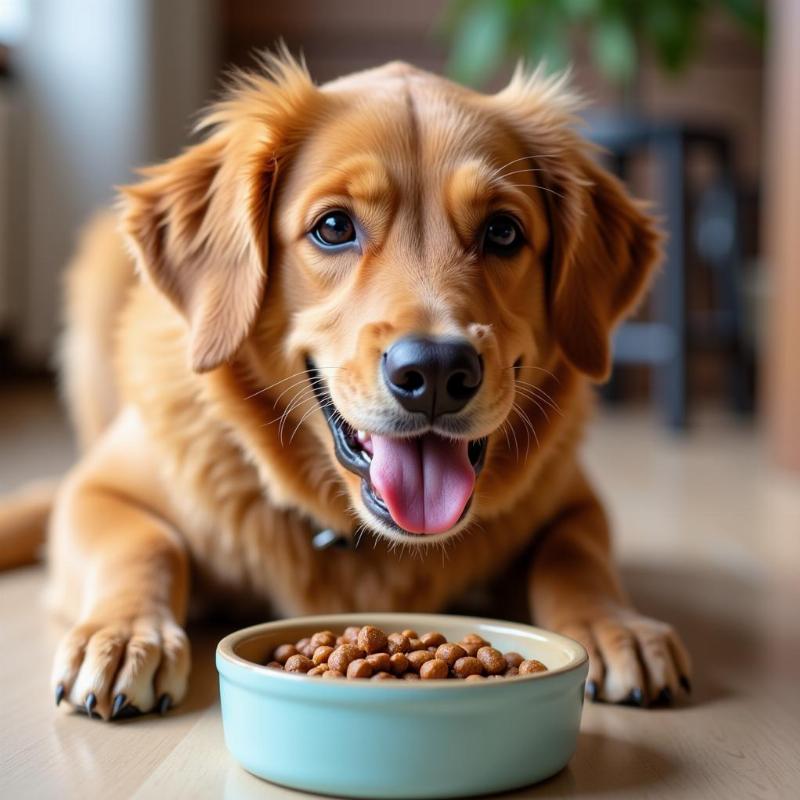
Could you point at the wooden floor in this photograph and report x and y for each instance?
(709, 539)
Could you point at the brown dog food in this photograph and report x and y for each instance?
(359, 668)
(435, 669)
(530, 666)
(492, 660)
(298, 663)
(369, 653)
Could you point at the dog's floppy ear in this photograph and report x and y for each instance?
(603, 245)
(198, 224)
(199, 235)
(602, 256)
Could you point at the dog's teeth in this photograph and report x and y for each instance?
(361, 435)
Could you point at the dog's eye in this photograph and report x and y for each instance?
(334, 228)
(502, 235)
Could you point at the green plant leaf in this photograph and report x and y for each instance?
(578, 9)
(614, 48)
(671, 30)
(751, 16)
(479, 43)
(547, 35)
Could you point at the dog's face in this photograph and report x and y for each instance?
(431, 253)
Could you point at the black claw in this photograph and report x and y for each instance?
(684, 682)
(591, 690)
(164, 704)
(664, 696)
(59, 693)
(126, 712)
(635, 698)
(119, 702)
(90, 703)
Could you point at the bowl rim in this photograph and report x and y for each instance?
(226, 649)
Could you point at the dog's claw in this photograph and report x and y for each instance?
(684, 682)
(635, 698)
(664, 696)
(89, 704)
(59, 693)
(164, 704)
(591, 690)
(119, 702)
(127, 712)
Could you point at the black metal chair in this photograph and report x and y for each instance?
(702, 231)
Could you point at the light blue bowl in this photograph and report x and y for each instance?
(401, 739)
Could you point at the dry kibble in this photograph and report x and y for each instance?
(341, 657)
(351, 633)
(529, 666)
(283, 651)
(298, 663)
(472, 643)
(432, 639)
(322, 654)
(323, 638)
(450, 652)
(367, 652)
(398, 643)
(417, 658)
(492, 659)
(435, 669)
(372, 639)
(380, 662)
(513, 659)
(468, 665)
(359, 668)
(398, 663)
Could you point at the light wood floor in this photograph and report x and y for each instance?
(708, 537)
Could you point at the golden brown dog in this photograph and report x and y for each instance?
(374, 307)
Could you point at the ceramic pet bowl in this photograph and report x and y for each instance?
(401, 739)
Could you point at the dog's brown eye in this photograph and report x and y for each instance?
(502, 235)
(334, 228)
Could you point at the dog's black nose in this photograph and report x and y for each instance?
(434, 376)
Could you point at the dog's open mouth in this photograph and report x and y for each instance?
(417, 485)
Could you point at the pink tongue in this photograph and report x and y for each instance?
(425, 482)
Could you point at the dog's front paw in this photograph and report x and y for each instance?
(632, 659)
(122, 667)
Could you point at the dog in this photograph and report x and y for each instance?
(370, 312)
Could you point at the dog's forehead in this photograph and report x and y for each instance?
(400, 113)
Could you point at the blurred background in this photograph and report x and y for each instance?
(695, 101)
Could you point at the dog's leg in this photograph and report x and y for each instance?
(574, 589)
(126, 570)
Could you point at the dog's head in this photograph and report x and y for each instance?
(401, 259)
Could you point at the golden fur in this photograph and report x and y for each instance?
(215, 459)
